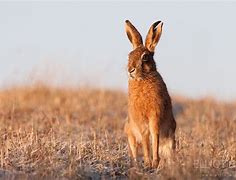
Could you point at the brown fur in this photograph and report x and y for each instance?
(149, 104)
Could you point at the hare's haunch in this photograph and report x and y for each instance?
(149, 104)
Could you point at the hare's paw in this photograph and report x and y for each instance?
(155, 163)
(147, 163)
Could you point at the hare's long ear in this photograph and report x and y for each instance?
(133, 34)
(153, 36)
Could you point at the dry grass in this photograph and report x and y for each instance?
(78, 134)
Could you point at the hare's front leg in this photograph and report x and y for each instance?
(154, 130)
(133, 149)
(146, 150)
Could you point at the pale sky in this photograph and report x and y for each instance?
(76, 43)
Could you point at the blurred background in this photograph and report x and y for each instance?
(84, 43)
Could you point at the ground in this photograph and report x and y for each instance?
(65, 133)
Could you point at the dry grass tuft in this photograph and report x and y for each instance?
(78, 134)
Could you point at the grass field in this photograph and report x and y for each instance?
(58, 133)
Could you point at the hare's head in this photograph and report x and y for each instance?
(141, 62)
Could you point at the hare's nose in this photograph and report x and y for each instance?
(132, 70)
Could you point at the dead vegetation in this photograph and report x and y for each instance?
(57, 133)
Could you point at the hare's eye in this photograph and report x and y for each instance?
(145, 57)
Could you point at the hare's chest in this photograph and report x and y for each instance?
(142, 102)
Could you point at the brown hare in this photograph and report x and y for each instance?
(149, 104)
